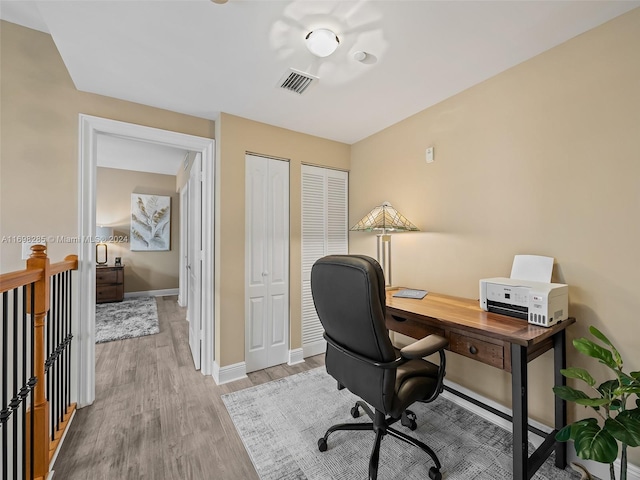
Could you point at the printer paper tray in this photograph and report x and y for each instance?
(506, 309)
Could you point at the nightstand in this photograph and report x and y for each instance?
(109, 283)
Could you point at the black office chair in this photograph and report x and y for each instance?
(349, 295)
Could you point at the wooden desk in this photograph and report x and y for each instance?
(500, 341)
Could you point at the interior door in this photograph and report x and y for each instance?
(266, 262)
(194, 260)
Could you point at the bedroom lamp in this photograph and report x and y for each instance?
(384, 219)
(102, 236)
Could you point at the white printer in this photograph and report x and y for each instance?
(540, 303)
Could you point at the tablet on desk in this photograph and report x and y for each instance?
(410, 293)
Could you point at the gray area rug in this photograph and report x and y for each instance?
(280, 423)
(133, 317)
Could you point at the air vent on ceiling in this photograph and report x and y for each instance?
(296, 81)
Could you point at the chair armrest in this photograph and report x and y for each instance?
(424, 347)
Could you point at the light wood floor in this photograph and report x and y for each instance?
(155, 416)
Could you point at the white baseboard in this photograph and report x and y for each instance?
(601, 470)
(153, 293)
(296, 356)
(315, 348)
(230, 373)
(52, 463)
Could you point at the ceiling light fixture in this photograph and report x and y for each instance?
(322, 42)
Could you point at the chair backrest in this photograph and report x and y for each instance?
(349, 295)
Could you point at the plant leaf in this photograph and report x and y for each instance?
(635, 375)
(615, 405)
(564, 434)
(602, 337)
(579, 373)
(625, 427)
(587, 347)
(594, 443)
(607, 389)
(569, 394)
(592, 402)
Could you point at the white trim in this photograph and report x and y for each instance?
(153, 293)
(89, 129)
(182, 290)
(230, 373)
(601, 470)
(315, 348)
(61, 442)
(296, 356)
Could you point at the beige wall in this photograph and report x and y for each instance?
(144, 271)
(541, 159)
(39, 140)
(236, 136)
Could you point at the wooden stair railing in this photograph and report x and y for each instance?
(40, 300)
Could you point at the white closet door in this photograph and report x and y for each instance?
(267, 262)
(324, 232)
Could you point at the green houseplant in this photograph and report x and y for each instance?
(618, 415)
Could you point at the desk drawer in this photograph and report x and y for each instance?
(479, 350)
(412, 328)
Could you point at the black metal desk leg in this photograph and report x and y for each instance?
(559, 362)
(520, 412)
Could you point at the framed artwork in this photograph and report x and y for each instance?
(150, 222)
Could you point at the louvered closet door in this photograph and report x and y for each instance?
(324, 232)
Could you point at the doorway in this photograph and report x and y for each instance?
(90, 129)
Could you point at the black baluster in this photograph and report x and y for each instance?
(15, 400)
(4, 413)
(33, 380)
(58, 345)
(24, 392)
(50, 367)
(70, 334)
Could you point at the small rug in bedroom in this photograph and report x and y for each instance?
(280, 423)
(133, 317)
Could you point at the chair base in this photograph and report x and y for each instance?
(382, 426)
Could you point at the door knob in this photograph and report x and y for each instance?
(264, 274)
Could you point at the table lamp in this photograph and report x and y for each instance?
(385, 219)
(103, 234)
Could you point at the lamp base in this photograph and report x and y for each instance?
(384, 256)
(101, 254)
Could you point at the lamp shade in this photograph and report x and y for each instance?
(384, 218)
(103, 234)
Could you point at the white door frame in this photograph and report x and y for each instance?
(89, 129)
(194, 261)
(184, 211)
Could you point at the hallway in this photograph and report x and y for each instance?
(155, 417)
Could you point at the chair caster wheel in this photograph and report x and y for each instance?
(322, 445)
(434, 474)
(355, 412)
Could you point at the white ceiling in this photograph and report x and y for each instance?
(201, 58)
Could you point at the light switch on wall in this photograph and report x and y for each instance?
(430, 155)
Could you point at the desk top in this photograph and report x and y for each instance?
(466, 314)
